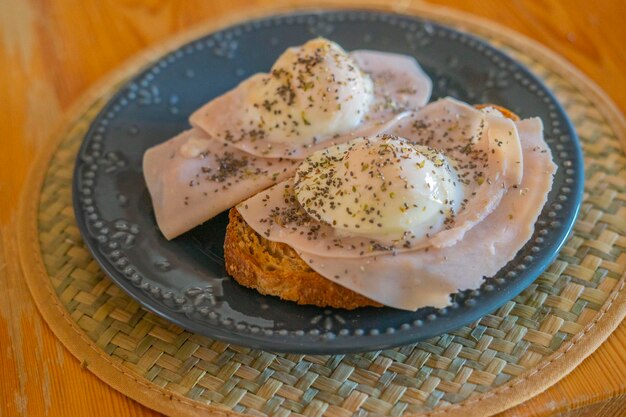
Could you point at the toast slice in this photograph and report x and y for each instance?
(274, 268)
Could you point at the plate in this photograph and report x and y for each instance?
(184, 280)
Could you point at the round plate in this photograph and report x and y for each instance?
(184, 280)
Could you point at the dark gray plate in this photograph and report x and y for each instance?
(184, 280)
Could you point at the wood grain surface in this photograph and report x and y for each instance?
(53, 51)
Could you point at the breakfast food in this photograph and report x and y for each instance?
(431, 206)
(315, 96)
(349, 190)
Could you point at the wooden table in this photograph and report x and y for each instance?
(51, 52)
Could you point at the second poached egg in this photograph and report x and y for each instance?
(381, 187)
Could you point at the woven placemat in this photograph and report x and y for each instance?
(493, 364)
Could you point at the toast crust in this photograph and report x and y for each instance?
(274, 268)
(505, 112)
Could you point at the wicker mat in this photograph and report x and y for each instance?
(497, 362)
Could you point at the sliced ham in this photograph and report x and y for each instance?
(399, 85)
(411, 280)
(192, 178)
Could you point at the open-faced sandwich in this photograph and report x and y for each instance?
(403, 219)
(346, 189)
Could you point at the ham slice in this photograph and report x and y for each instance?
(399, 85)
(484, 148)
(416, 279)
(192, 177)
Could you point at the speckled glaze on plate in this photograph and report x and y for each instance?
(184, 280)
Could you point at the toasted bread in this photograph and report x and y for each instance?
(274, 268)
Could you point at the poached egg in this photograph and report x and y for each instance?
(311, 93)
(382, 187)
